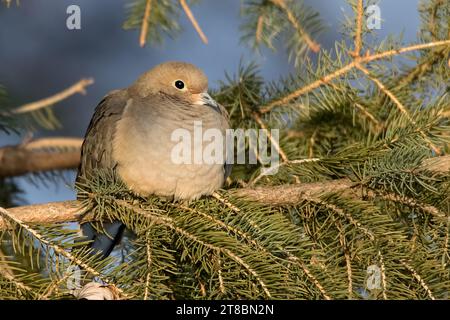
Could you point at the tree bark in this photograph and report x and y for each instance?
(21, 159)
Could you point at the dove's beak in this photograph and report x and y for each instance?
(207, 100)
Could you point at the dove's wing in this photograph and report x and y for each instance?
(96, 151)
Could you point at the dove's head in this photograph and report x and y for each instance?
(179, 80)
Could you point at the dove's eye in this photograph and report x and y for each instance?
(179, 84)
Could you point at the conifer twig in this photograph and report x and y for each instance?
(79, 87)
(57, 249)
(358, 35)
(272, 140)
(348, 262)
(194, 22)
(7, 273)
(341, 71)
(314, 46)
(54, 142)
(149, 266)
(272, 169)
(397, 102)
(419, 279)
(383, 275)
(66, 211)
(259, 28)
(145, 21)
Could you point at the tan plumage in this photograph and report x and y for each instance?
(130, 133)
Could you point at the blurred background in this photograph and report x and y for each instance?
(40, 56)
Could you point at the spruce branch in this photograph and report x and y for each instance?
(314, 46)
(348, 261)
(397, 102)
(272, 140)
(419, 279)
(79, 87)
(6, 216)
(169, 223)
(259, 29)
(358, 34)
(144, 27)
(7, 272)
(383, 275)
(194, 22)
(52, 212)
(66, 211)
(345, 69)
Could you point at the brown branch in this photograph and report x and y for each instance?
(144, 26)
(369, 116)
(32, 157)
(360, 60)
(79, 87)
(66, 211)
(291, 194)
(348, 260)
(399, 105)
(314, 46)
(420, 69)
(52, 212)
(359, 18)
(383, 275)
(194, 22)
(259, 28)
(272, 140)
(419, 279)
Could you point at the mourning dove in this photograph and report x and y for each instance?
(131, 133)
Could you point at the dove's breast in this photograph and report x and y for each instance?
(153, 140)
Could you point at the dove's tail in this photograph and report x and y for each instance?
(105, 238)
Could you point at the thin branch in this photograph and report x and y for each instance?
(419, 279)
(221, 284)
(58, 142)
(259, 28)
(272, 140)
(359, 18)
(273, 168)
(53, 212)
(399, 105)
(144, 26)
(79, 87)
(370, 116)
(360, 60)
(348, 261)
(149, 266)
(383, 275)
(314, 46)
(312, 142)
(194, 22)
(54, 286)
(310, 276)
(387, 92)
